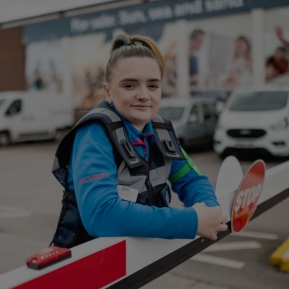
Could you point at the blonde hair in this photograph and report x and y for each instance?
(125, 46)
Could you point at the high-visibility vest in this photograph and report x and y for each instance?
(148, 177)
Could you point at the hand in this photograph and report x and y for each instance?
(279, 32)
(210, 221)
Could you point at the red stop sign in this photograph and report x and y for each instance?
(247, 196)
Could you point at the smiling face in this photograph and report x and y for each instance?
(135, 89)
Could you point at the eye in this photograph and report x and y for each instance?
(153, 86)
(129, 85)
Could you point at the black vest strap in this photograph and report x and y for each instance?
(166, 139)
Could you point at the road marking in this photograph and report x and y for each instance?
(218, 261)
(225, 247)
(233, 246)
(12, 212)
(257, 235)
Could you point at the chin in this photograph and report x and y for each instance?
(141, 120)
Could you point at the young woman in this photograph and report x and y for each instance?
(240, 71)
(121, 156)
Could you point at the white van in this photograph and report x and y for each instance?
(255, 119)
(31, 116)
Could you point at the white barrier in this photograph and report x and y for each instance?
(133, 262)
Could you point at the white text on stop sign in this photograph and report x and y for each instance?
(247, 197)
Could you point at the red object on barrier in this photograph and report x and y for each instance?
(47, 257)
(247, 196)
(98, 270)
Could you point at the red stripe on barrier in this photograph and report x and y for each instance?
(98, 270)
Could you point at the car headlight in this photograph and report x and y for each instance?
(283, 124)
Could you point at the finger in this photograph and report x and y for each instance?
(222, 227)
(213, 237)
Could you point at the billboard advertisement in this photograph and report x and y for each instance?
(277, 45)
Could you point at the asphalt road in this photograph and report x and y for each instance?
(30, 205)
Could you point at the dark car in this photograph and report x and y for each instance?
(194, 118)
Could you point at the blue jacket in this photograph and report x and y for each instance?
(92, 175)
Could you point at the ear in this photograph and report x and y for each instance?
(106, 92)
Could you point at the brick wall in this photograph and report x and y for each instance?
(12, 60)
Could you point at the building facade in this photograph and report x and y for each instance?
(210, 46)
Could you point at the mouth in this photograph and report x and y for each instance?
(141, 106)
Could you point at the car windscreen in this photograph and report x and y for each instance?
(171, 113)
(259, 101)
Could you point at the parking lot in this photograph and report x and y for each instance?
(30, 205)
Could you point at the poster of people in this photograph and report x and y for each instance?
(219, 55)
(76, 65)
(44, 66)
(277, 45)
(168, 44)
(211, 56)
(86, 64)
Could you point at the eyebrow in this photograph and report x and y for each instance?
(135, 80)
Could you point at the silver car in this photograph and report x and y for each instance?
(194, 118)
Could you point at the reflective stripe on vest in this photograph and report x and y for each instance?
(157, 176)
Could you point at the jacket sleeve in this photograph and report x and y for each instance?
(102, 211)
(190, 185)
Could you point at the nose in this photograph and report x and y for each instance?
(143, 94)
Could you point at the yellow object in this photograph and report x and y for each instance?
(281, 257)
(284, 266)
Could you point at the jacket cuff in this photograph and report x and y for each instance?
(187, 223)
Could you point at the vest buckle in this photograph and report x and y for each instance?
(129, 151)
(168, 145)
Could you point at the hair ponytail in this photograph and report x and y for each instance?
(125, 46)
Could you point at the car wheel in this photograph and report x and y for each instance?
(4, 139)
